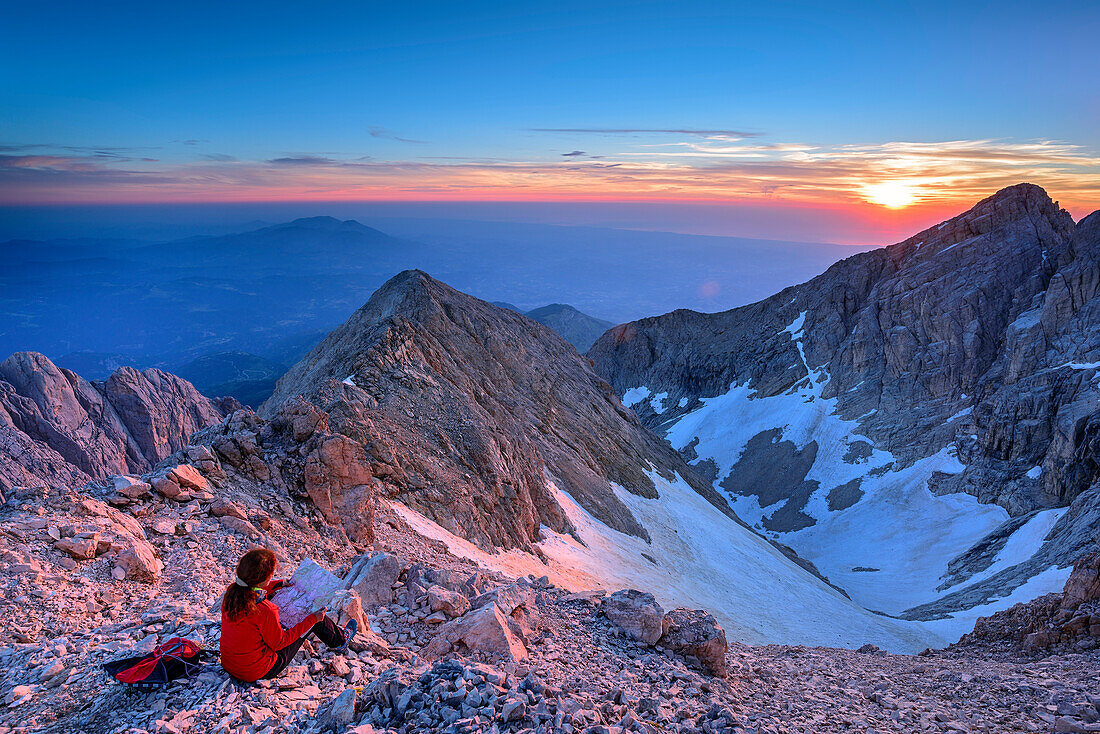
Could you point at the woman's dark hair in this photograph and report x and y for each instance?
(255, 567)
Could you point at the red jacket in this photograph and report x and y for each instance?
(248, 644)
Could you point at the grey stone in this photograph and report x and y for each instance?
(636, 613)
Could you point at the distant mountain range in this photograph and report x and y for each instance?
(274, 291)
(579, 329)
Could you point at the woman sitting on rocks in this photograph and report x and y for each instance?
(254, 644)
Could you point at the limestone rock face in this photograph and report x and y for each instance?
(467, 410)
(696, 633)
(57, 429)
(1083, 584)
(636, 613)
(978, 337)
(294, 450)
(983, 314)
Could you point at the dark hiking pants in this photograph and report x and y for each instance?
(326, 631)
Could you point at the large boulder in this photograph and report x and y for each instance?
(451, 603)
(138, 562)
(636, 613)
(82, 549)
(373, 576)
(166, 487)
(188, 476)
(131, 487)
(345, 606)
(696, 633)
(485, 630)
(338, 713)
(517, 603)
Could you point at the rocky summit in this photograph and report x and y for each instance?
(471, 411)
(865, 504)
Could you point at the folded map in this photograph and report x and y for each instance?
(311, 588)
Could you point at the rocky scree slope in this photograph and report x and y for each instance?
(963, 359)
(444, 645)
(467, 410)
(60, 430)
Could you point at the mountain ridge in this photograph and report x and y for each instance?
(424, 330)
(945, 359)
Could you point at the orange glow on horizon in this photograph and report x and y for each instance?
(893, 175)
(887, 189)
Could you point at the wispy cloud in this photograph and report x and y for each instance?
(381, 132)
(938, 173)
(646, 130)
(106, 151)
(303, 160)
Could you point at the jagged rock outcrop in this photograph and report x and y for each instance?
(57, 429)
(295, 451)
(467, 410)
(1069, 621)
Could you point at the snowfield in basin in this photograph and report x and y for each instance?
(701, 559)
(889, 548)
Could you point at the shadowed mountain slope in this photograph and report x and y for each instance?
(962, 360)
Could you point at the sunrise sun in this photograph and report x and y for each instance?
(890, 194)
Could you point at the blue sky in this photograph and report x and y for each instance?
(139, 101)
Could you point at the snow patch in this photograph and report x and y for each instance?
(349, 380)
(795, 327)
(683, 402)
(1021, 545)
(635, 395)
(1034, 472)
(898, 526)
(657, 402)
(704, 560)
(1048, 581)
(1080, 365)
(960, 414)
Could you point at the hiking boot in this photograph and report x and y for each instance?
(349, 632)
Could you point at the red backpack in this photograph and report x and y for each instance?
(176, 658)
